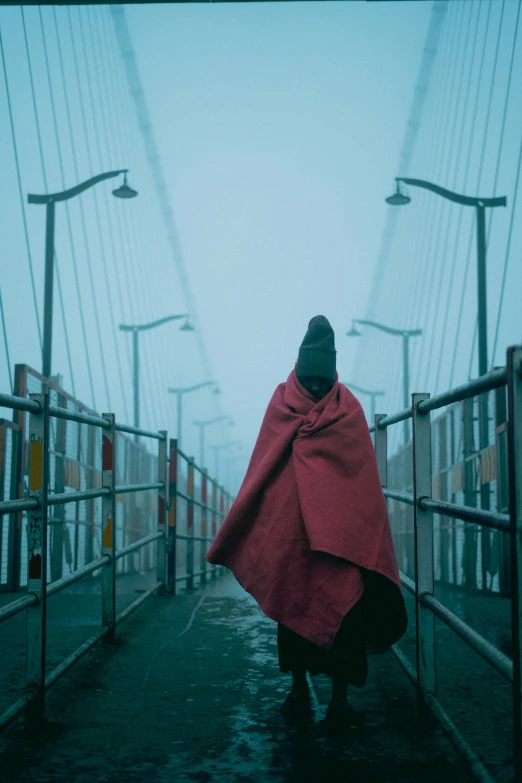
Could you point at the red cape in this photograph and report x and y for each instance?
(308, 534)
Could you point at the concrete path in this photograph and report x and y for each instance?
(191, 692)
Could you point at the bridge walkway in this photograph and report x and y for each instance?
(191, 691)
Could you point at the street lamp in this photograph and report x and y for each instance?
(217, 449)
(400, 198)
(136, 329)
(480, 204)
(50, 199)
(181, 392)
(405, 334)
(372, 394)
(202, 425)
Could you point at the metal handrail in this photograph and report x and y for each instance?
(479, 516)
(137, 545)
(402, 497)
(479, 643)
(125, 489)
(493, 380)
(137, 431)
(10, 506)
(15, 607)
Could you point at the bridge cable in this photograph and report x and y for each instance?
(481, 167)
(463, 189)
(134, 81)
(6, 344)
(424, 225)
(95, 195)
(66, 205)
(515, 197)
(500, 147)
(80, 204)
(124, 234)
(448, 208)
(448, 113)
(111, 156)
(446, 67)
(20, 191)
(46, 186)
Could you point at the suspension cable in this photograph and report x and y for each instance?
(21, 192)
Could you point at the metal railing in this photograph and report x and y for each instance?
(427, 607)
(37, 506)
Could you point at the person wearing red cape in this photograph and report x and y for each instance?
(308, 534)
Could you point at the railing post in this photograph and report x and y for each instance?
(514, 380)
(190, 524)
(109, 526)
(173, 517)
(161, 566)
(213, 531)
(221, 518)
(423, 526)
(204, 523)
(381, 448)
(37, 560)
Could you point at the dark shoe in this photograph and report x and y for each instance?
(341, 714)
(296, 706)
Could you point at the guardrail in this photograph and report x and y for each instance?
(427, 607)
(166, 536)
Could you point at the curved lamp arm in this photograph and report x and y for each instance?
(467, 201)
(389, 329)
(32, 198)
(144, 327)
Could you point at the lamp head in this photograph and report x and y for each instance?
(399, 199)
(125, 191)
(353, 332)
(187, 326)
(217, 390)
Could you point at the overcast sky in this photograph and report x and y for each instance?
(279, 128)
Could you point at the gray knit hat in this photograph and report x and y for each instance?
(317, 351)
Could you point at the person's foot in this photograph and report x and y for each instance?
(296, 705)
(341, 714)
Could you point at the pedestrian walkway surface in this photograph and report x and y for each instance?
(191, 692)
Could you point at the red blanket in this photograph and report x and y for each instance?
(308, 534)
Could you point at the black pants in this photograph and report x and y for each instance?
(346, 658)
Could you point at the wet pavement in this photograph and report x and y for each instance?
(191, 692)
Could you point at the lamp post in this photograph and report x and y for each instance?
(230, 462)
(217, 449)
(399, 199)
(405, 334)
(202, 425)
(181, 392)
(136, 329)
(50, 199)
(372, 394)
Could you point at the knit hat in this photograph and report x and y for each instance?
(317, 352)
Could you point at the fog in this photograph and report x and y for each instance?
(280, 129)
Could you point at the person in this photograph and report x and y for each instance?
(308, 534)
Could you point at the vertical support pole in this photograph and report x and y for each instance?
(190, 524)
(470, 495)
(37, 560)
(482, 308)
(180, 417)
(221, 517)
(136, 361)
(109, 526)
(161, 567)
(514, 377)
(173, 517)
(381, 448)
(48, 292)
(502, 488)
(58, 512)
(90, 507)
(423, 520)
(204, 526)
(202, 445)
(406, 383)
(214, 521)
